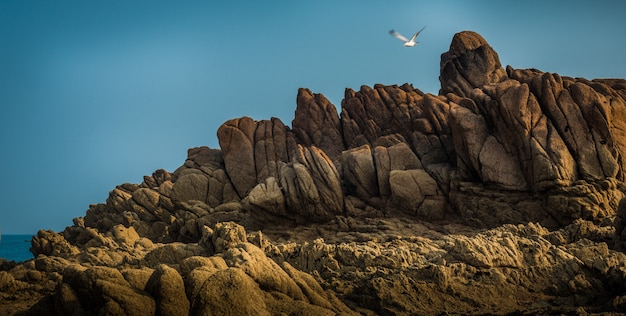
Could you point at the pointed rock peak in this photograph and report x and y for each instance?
(470, 63)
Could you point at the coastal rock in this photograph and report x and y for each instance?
(229, 292)
(470, 63)
(316, 123)
(312, 186)
(237, 142)
(101, 290)
(50, 243)
(168, 289)
(508, 184)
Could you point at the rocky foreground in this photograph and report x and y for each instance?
(503, 194)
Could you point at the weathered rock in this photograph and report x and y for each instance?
(50, 243)
(316, 123)
(267, 273)
(502, 195)
(416, 192)
(167, 287)
(370, 113)
(172, 253)
(229, 292)
(227, 235)
(236, 139)
(312, 185)
(123, 235)
(470, 63)
(359, 173)
(100, 290)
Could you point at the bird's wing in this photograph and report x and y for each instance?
(398, 36)
(418, 33)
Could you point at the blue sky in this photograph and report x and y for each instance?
(98, 93)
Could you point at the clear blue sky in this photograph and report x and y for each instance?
(98, 93)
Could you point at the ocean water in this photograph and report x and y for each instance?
(15, 247)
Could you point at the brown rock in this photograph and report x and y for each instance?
(264, 271)
(359, 172)
(236, 138)
(102, 290)
(167, 287)
(227, 235)
(395, 157)
(312, 186)
(370, 113)
(229, 292)
(416, 192)
(270, 148)
(316, 123)
(470, 63)
(50, 243)
(267, 199)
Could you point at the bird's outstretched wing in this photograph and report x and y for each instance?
(418, 33)
(398, 36)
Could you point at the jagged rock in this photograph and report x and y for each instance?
(315, 293)
(519, 125)
(273, 143)
(398, 156)
(620, 226)
(370, 113)
(196, 271)
(227, 235)
(267, 273)
(138, 278)
(50, 243)
(203, 178)
(505, 185)
(123, 235)
(252, 150)
(316, 123)
(588, 115)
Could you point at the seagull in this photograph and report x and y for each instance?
(407, 43)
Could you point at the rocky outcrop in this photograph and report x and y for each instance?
(225, 274)
(508, 184)
(470, 63)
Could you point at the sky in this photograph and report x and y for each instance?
(94, 94)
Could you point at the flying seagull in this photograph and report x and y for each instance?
(407, 43)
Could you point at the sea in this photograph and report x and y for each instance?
(15, 247)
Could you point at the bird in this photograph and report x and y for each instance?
(407, 42)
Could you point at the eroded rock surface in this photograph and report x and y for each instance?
(503, 194)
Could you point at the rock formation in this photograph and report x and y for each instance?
(505, 193)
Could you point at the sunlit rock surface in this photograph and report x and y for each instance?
(503, 194)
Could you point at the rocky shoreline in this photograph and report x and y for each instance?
(504, 194)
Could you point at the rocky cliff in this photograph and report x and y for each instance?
(503, 194)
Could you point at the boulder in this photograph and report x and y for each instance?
(229, 292)
(168, 289)
(101, 290)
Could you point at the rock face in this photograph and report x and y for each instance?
(503, 194)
